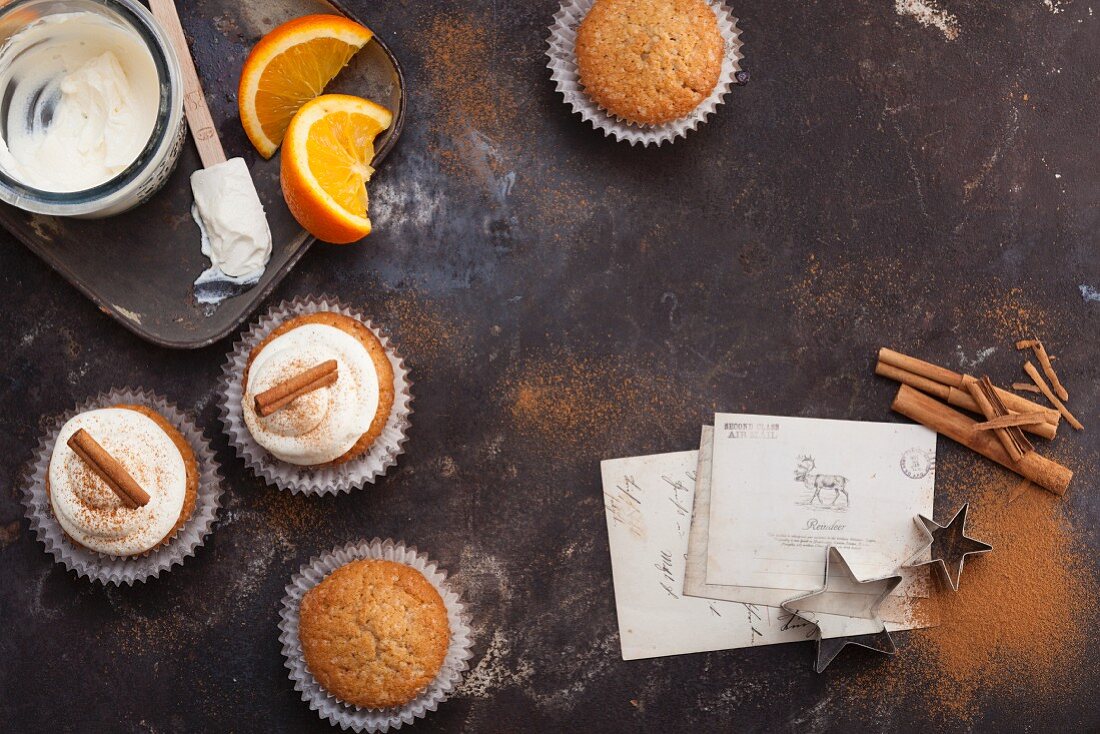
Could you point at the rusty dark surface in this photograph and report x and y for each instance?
(145, 282)
(874, 183)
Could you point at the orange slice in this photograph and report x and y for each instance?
(325, 165)
(290, 66)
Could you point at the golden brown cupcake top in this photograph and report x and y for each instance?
(649, 61)
(374, 633)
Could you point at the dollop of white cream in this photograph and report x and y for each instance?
(235, 234)
(84, 98)
(89, 511)
(321, 425)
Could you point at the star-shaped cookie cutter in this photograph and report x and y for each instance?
(950, 545)
(843, 604)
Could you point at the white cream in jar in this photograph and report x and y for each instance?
(84, 100)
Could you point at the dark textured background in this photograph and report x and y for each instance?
(874, 183)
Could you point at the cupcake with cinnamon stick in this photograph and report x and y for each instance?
(315, 399)
(122, 480)
(122, 488)
(317, 390)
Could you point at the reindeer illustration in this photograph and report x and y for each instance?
(818, 482)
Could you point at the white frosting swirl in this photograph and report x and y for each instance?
(84, 98)
(321, 425)
(89, 511)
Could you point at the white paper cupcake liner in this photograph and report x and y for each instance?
(329, 707)
(563, 70)
(119, 570)
(344, 477)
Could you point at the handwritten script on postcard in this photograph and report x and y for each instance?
(648, 502)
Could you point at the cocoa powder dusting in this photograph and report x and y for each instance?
(883, 294)
(426, 333)
(471, 110)
(1019, 624)
(603, 406)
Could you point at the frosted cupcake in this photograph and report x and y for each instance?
(318, 390)
(121, 480)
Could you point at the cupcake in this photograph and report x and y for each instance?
(649, 62)
(121, 480)
(374, 633)
(644, 71)
(318, 390)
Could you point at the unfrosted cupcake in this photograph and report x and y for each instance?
(318, 390)
(121, 480)
(374, 633)
(649, 62)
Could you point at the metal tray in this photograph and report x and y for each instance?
(139, 267)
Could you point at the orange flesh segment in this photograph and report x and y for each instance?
(294, 77)
(340, 149)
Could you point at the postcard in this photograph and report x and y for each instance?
(648, 502)
(898, 611)
(783, 489)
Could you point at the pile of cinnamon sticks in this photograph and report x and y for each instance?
(928, 391)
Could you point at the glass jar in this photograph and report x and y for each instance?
(146, 173)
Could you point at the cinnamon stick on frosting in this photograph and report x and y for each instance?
(287, 391)
(108, 469)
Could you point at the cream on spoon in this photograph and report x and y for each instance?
(235, 233)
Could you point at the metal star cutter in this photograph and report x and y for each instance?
(845, 610)
(950, 545)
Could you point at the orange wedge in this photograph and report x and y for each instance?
(325, 166)
(290, 66)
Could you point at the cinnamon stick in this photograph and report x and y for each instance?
(933, 372)
(944, 419)
(287, 391)
(944, 376)
(1033, 373)
(957, 397)
(108, 469)
(1027, 386)
(1044, 361)
(1012, 419)
(1012, 438)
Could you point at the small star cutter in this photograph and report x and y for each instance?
(845, 603)
(950, 545)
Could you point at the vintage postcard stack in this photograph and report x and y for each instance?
(706, 545)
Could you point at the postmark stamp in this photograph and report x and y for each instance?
(917, 464)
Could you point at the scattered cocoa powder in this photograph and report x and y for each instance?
(9, 534)
(426, 333)
(886, 293)
(1020, 622)
(470, 107)
(601, 405)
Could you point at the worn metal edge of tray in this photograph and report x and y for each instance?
(306, 241)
